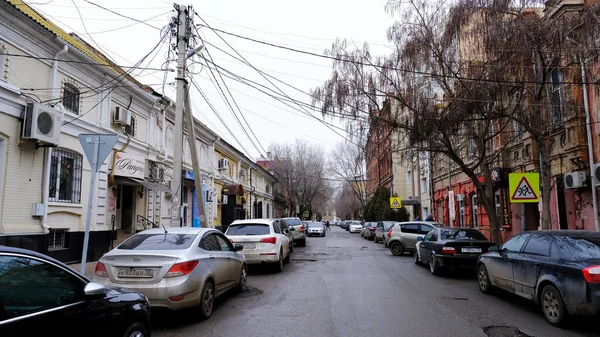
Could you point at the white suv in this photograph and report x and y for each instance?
(263, 239)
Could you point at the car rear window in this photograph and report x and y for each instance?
(162, 241)
(291, 222)
(355, 223)
(578, 249)
(463, 234)
(248, 229)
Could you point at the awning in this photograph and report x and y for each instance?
(150, 185)
(233, 189)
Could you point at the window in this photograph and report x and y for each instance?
(410, 228)
(554, 253)
(70, 99)
(471, 147)
(556, 98)
(276, 227)
(578, 248)
(65, 176)
(498, 203)
(425, 229)
(424, 185)
(184, 194)
(130, 129)
(461, 211)
(159, 241)
(409, 178)
(475, 207)
(515, 244)
(268, 210)
(538, 245)
(248, 229)
(268, 189)
(57, 239)
(211, 243)
(226, 246)
(518, 128)
(463, 234)
(30, 285)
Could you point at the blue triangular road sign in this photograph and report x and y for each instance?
(105, 145)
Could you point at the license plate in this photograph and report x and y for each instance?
(136, 273)
(471, 250)
(249, 245)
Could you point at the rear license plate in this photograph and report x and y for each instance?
(471, 250)
(136, 273)
(249, 245)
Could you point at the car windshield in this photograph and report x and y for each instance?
(316, 224)
(462, 234)
(248, 229)
(159, 241)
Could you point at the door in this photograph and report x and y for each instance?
(233, 259)
(410, 232)
(219, 265)
(501, 269)
(529, 264)
(425, 248)
(42, 299)
(560, 201)
(126, 213)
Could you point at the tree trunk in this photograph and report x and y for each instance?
(545, 181)
(489, 204)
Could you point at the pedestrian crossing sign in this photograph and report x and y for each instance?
(524, 187)
(395, 202)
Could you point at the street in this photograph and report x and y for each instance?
(343, 285)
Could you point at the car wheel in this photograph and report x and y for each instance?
(483, 279)
(207, 300)
(433, 267)
(397, 248)
(243, 282)
(553, 306)
(288, 257)
(135, 330)
(279, 264)
(416, 258)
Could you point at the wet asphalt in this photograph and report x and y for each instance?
(345, 286)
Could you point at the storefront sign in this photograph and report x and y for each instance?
(451, 208)
(187, 174)
(129, 165)
(195, 210)
(505, 207)
(112, 203)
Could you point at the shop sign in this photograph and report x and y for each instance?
(505, 207)
(187, 174)
(451, 207)
(129, 165)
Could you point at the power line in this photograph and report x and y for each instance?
(91, 63)
(122, 15)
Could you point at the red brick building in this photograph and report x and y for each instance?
(378, 151)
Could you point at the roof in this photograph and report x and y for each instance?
(252, 221)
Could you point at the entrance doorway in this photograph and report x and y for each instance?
(125, 210)
(562, 206)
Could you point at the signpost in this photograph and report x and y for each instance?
(524, 187)
(96, 148)
(395, 202)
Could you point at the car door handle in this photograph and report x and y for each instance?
(228, 258)
(537, 265)
(212, 257)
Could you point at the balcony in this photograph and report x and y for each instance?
(556, 8)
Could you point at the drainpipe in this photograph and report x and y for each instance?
(250, 205)
(589, 141)
(48, 150)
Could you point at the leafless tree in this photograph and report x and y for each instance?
(347, 163)
(346, 204)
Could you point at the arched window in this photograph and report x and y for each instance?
(65, 176)
(70, 99)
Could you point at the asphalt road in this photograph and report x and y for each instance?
(343, 285)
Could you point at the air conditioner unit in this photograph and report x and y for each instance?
(575, 180)
(121, 116)
(596, 169)
(42, 123)
(242, 173)
(223, 164)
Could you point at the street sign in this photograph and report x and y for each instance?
(524, 187)
(451, 207)
(305, 214)
(96, 148)
(395, 202)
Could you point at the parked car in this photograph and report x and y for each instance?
(176, 268)
(381, 231)
(368, 230)
(316, 228)
(287, 231)
(263, 240)
(298, 232)
(42, 296)
(559, 270)
(450, 248)
(347, 225)
(354, 226)
(403, 236)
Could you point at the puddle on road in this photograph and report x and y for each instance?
(504, 331)
(249, 293)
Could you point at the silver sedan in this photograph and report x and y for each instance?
(176, 267)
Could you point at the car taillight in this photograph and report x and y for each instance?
(182, 268)
(448, 250)
(101, 270)
(272, 240)
(302, 228)
(389, 233)
(372, 229)
(592, 274)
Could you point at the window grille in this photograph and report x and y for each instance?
(70, 99)
(57, 239)
(65, 176)
(156, 172)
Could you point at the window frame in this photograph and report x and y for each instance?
(71, 98)
(207, 236)
(536, 238)
(403, 227)
(475, 210)
(130, 129)
(76, 176)
(526, 235)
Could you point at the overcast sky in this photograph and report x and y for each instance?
(309, 25)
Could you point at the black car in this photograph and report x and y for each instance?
(40, 296)
(560, 270)
(451, 248)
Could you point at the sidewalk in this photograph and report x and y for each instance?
(90, 267)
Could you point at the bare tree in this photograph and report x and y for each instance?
(347, 163)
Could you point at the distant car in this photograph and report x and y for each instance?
(559, 270)
(381, 231)
(263, 241)
(451, 248)
(40, 296)
(368, 230)
(316, 228)
(298, 230)
(354, 227)
(176, 268)
(402, 237)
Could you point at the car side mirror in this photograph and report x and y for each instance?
(494, 249)
(93, 289)
(287, 231)
(419, 238)
(237, 247)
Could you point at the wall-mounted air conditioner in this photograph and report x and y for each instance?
(121, 116)
(42, 123)
(242, 173)
(575, 180)
(223, 164)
